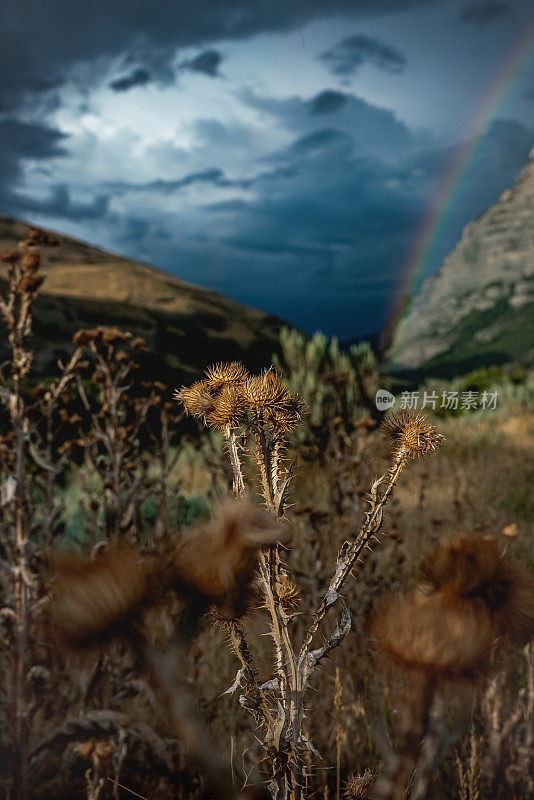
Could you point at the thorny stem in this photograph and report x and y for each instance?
(351, 551)
(231, 442)
(241, 648)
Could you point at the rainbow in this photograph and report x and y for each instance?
(451, 184)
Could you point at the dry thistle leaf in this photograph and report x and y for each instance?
(220, 560)
(94, 601)
(434, 634)
(477, 570)
(413, 432)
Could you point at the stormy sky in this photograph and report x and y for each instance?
(284, 153)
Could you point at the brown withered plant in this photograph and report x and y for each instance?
(443, 640)
(260, 408)
(21, 450)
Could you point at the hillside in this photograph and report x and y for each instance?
(478, 309)
(185, 326)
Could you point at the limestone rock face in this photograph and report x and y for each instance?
(479, 306)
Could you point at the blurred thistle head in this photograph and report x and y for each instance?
(12, 256)
(477, 570)
(223, 374)
(219, 560)
(412, 432)
(95, 601)
(435, 635)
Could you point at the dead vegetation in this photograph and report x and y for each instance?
(390, 673)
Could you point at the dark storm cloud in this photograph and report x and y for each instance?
(327, 102)
(138, 77)
(47, 38)
(60, 204)
(20, 141)
(347, 56)
(481, 12)
(207, 63)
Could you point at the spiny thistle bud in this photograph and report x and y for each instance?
(412, 432)
(358, 787)
(220, 561)
(225, 374)
(190, 396)
(288, 416)
(94, 601)
(266, 391)
(434, 634)
(475, 569)
(228, 409)
(288, 593)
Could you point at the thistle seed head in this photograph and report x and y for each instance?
(266, 392)
(94, 601)
(288, 594)
(220, 561)
(359, 787)
(288, 415)
(228, 409)
(413, 432)
(225, 374)
(191, 396)
(12, 256)
(436, 634)
(477, 570)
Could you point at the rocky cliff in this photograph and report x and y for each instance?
(478, 309)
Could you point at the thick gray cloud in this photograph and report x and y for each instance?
(138, 77)
(207, 63)
(480, 12)
(347, 56)
(44, 39)
(326, 102)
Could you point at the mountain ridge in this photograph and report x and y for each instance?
(478, 308)
(186, 326)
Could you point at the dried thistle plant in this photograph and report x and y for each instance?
(96, 601)
(262, 408)
(471, 602)
(20, 450)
